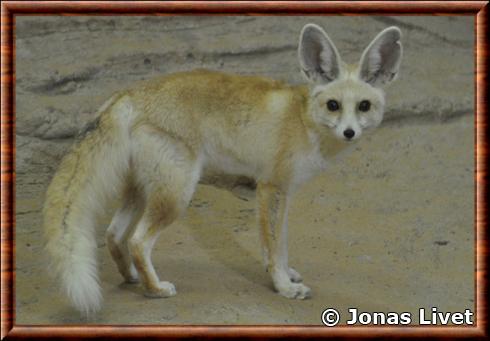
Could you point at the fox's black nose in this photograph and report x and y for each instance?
(349, 133)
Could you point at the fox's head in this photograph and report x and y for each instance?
(348, 99)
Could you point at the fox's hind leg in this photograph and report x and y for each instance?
(119, 231)
(167, 172)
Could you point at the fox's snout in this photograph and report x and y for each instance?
(349, 133)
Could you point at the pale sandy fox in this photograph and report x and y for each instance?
(154, 141)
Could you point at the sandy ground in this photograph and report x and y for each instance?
(389, 227)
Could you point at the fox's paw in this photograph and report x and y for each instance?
(131, 276)
(164, 289)
(294, 276)
(131, 279)
(295, 290)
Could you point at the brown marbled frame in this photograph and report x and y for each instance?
(10, 9)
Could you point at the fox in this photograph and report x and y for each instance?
(155, 140)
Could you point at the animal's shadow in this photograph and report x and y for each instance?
(221, 229)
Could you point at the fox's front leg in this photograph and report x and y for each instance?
(273, 221)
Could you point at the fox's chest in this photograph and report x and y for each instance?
(308, 165)
(311, 163)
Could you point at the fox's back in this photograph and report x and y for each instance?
(202, 94)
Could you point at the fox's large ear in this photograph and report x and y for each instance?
(317, 55)
(381, 60)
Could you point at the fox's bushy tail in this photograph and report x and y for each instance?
(91, 174)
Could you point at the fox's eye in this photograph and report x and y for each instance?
(333, 105)
(364, 106)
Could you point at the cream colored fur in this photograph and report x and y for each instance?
(155, 140)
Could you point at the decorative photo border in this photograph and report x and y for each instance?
(11, 9)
